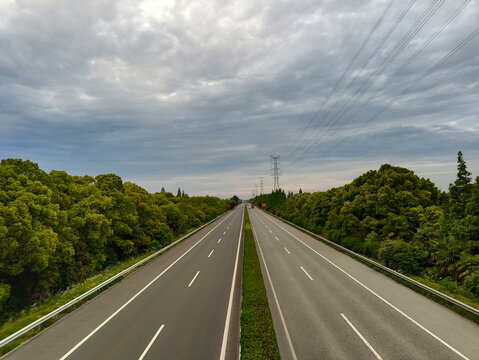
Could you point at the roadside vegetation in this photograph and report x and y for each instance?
(59, 230)
(403, 221)
(258, 339)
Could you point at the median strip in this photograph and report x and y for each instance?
(258, 339)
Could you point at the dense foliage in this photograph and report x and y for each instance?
(398, 218)
(57, 229)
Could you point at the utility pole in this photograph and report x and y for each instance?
(276, 171)
(261, 185)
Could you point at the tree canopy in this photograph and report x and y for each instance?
(57, 229)
(400, 219)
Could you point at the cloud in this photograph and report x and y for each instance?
(203, 92)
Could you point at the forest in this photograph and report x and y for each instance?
(399, 219)
(57, 229)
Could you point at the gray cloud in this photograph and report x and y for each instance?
(199, 94)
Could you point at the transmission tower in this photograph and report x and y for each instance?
(261, 185)
(276, 171)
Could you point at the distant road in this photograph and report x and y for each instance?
(183, 305)
(326, 305)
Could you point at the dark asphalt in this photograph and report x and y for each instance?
(337, 308)
(122, 322)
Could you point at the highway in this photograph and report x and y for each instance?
(326, 305)
(183, 305)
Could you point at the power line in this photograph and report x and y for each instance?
(417, 81)
(261, 185)
(416, 53)
(402, 43)
(365, 41)
(276, 171)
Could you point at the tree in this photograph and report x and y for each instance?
(163, 189)
(459, 192)
(178, 193)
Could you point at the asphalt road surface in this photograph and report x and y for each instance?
(326, 305)
(183, 305)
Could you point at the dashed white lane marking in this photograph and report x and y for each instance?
(151, 342)
(287, 250)
(276, 238)
(211, 253)
(378, 296)
(219, 240)
(302, 268)
(194, 278)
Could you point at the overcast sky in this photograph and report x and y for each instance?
(199, 94)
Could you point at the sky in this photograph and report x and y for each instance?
(199, 94)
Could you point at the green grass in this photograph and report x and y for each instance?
(36, 311)
(258, 339)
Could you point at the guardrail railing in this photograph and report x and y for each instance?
(96, 288)
(439, 294)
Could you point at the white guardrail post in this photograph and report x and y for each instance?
(439, 294)
(96, 288)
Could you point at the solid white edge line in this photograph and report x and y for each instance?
(302, 268)
(287, 250)
(362, 338)
(136, 295)
(230, 302)
(194, 278)
(377, 295)
(288, 338)
(151, 342)
(211, 252)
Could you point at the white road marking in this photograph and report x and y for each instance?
(287, 250)
(378, 296)
(224, 232)
(302, 268)
(362, 338)
(151, 342)
(211, 252)
(230, 302)
(136, 295)
(288, 338)
(219, 240)
(194, 278)
(276, 238)
(228, 228)
(270, 231)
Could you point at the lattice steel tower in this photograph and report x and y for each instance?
(276, 171)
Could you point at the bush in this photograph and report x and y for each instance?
(471, 283)
(402, 256)
(371, 244)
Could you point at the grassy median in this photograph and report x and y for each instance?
(258, 339)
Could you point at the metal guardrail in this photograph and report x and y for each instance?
(439, 294)
(96, 288)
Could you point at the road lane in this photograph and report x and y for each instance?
(154, 311)
(392, 318)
